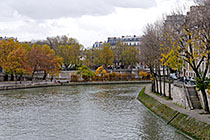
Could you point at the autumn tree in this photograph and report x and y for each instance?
(6, 47)
(42, 58)
(101, 71)
(71, 55)
(76, 55)
(50, 63)
(55, 65)
(65, 52)
(88, 57)
(193, 46)
(169, 59)
(130, 57)
(85, 72)
(117, 52)
(96, 56)
(17, 62)
(106, 55)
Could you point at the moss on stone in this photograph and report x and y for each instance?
(183, 122)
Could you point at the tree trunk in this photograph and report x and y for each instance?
(12, 77)
(160, 81)
(153, 79)
(205, 101)
(66, 67)
(164, 82)
(130, 76)
(16, 78)
(169, 84)
(6, 77)
(51, 79)
(153, 84)
(157, 84)
(20, 78)
(32, 76)
(156, 78)
(45, 75)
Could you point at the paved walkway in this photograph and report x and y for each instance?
(193, 113)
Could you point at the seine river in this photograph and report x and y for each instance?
(105, 112)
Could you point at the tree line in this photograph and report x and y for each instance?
(55, 54)
(18, 59)
(74, 54)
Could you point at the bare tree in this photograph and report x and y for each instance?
(150, 48)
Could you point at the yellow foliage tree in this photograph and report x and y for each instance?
(145, 75)
(6, 47)
(194, 51)
(100, 71)
(17, 62)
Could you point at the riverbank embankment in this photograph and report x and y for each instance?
(191, 122)
(28, 84)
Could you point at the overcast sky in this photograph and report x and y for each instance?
(86, 20)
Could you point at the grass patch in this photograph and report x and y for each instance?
(166, 98)
(142, 91)
(179, 105)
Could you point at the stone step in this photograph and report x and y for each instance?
(194, 98)
(197, 106)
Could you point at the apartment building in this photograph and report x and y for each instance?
(99, 45)
(6, 38)
(174, 22)
(129, 40)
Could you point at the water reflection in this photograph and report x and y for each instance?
(80, 113)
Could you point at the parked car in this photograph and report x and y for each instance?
(173, 76)
(182, 79)
(191, 81)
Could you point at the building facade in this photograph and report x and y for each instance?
(99, 45)
(129, 40)
(6, 38)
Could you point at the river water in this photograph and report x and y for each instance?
(105, 112)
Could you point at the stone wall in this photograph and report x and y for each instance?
(64, 75)
(201, 98)
(178, 94)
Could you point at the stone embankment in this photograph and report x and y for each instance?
(191, 122)
(183, 95)
(12, 85)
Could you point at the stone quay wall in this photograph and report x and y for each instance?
(178, 93)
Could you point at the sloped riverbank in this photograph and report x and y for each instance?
(184, 122)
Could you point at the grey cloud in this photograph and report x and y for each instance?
(51, 9)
